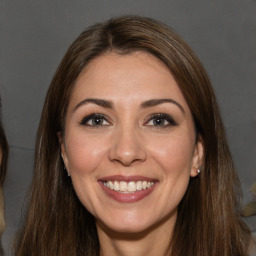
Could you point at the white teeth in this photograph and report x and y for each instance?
(144, 184)
(110, 185)
(139, 185)
(123, 186)
(131, 186)
(116, 186)
(128, 187)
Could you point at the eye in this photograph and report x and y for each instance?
(161, 120)
(95, 120)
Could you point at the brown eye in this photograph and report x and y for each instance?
(95, 120)
(161, 120)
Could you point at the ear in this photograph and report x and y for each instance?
(198, 157)
(63, 150)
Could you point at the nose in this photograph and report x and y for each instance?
(127, 147)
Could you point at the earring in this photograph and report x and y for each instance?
(198, 171)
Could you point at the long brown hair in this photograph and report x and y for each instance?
(208, 221)
(4, 150)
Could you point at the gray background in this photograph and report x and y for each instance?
(34, 36)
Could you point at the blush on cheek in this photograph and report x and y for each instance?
(84, 158)
(172, 155)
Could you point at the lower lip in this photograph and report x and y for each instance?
(127, 197)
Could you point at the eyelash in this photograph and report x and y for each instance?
(85, 121)
(90, 120)
(162, 117)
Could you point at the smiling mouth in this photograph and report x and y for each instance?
(128, 187)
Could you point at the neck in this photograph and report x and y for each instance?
(156, 240)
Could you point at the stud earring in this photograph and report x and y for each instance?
(198, 171)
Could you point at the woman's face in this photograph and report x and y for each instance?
(129, 142)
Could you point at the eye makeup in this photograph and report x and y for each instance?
(95, 119)
(160, 120)
(156, 120)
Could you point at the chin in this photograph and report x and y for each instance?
(125, 223)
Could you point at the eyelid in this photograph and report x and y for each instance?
(165, 116)
(93, 115)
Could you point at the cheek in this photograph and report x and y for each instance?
(174, 154)
(84, 154)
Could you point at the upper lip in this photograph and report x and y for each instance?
(126, 178)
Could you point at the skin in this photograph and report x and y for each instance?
(130, 141)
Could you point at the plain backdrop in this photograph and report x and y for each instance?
(34, 36)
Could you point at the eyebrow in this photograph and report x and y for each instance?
(99, 102)
(109, 104)
(155, 102)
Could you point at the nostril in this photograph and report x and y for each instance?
(126, 147)
(125, 161)
(127, 156)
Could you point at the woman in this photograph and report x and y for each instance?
(3, 168)
(132, 119)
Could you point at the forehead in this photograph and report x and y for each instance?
(126, 78)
